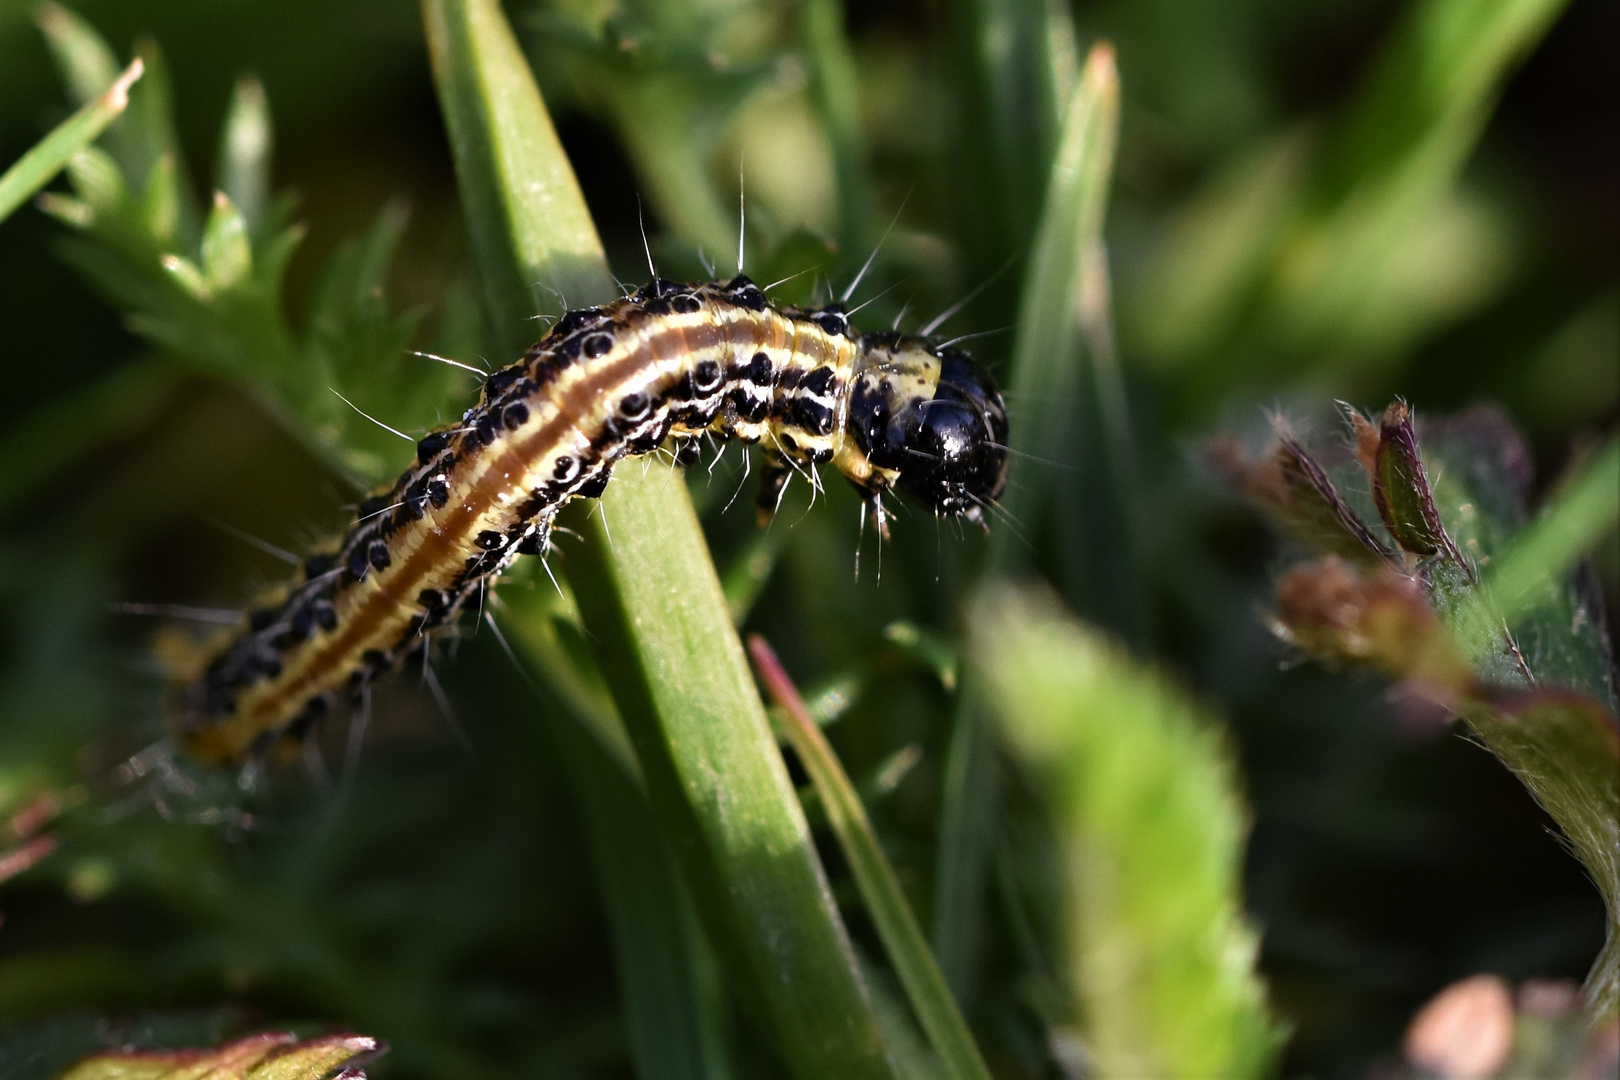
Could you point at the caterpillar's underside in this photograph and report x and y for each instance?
(672, 362)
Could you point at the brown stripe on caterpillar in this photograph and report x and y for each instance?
(888, 411)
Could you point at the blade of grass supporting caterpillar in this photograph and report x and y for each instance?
(651, 600)
(35, 168)
(903, 940)
(533, 239)
(1045, 372)
(663, 636)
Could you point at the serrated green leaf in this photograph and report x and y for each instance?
(188, 277)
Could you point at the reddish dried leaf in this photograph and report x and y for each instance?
(1292, 488)
(1402, 492)
(1380, 618)
(266, 1056)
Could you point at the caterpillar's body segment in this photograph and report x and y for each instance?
(673, 360)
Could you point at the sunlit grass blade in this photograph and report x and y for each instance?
(1150, 828)
(663, 636)
(653, 606)
(1046, 352)
(902, 938)
(35, 168)
(1042, 387)
(533, 238)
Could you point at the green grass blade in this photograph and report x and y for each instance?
(967, 830)
(902, 938)
(663, 636)
(1019, 60)
(1044, 377)
(672, 1005)
(1045, 359)
(35, 169)
(1142, 791)
(533, 238)
(653, 605)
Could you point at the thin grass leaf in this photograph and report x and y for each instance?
(1143, 793)
(836, 89)
(1045, 364)
(35, 168)
(653, 605)
(902, 938)
(1020, 63)
(1042, 385)
(534, 242)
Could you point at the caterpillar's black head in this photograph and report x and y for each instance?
(931, 423)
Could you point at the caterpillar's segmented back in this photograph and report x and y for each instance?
(672, 361)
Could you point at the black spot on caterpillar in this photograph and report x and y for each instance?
(672, 362)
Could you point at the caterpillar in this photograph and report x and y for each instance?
(671, 362)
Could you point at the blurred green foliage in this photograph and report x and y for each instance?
(1344, 200)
